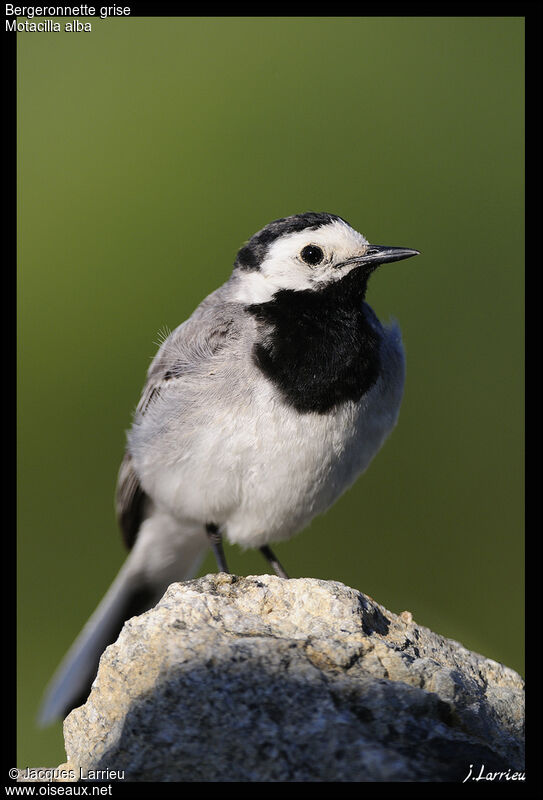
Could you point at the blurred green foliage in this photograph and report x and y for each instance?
(148, 151)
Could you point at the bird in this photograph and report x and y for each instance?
(257, 413)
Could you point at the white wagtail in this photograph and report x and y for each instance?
(257, 413)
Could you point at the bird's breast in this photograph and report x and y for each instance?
(319, 350)
(245, 457)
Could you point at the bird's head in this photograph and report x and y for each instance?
(306, 252)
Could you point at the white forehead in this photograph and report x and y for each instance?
(283, 268)
(337, 239)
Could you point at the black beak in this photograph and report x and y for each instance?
(378, 254)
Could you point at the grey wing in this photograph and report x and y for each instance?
(192, 348)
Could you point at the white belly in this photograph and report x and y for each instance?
(304, 464)
(262, 470)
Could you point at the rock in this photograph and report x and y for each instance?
(264, 679)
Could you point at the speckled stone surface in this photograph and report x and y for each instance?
(264, 679)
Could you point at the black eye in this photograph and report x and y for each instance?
(312, 254)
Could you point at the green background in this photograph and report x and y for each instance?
(148, 151)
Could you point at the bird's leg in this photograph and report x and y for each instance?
(269, 556)
(215, 540)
